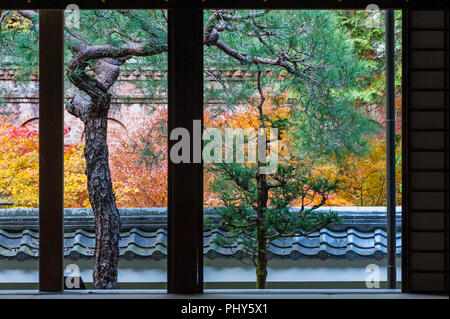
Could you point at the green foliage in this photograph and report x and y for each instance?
(326, 86)
(19, 48)
(237, 186)
(19, 43)
(324, 64)
(323, 85)
(369, 44)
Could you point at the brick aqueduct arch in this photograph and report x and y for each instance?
(129, 106)
(22, 105)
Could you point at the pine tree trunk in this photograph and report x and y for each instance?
(261, 260)
(261, 257)
(103, 201)
(263, 197)
(92, 108)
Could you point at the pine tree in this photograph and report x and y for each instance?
(304, 56)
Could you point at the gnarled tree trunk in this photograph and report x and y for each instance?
(92, 106)
(93, 109)
(263, 197)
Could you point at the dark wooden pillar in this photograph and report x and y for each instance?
(51, 163)
(185, 202)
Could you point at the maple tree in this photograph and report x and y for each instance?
(19, 168)
(19, 165)
(364, 177)
(138, 181)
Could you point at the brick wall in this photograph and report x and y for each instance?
(129, 107)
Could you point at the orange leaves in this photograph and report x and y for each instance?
(139, 170)
(362, 179)
(139, 164)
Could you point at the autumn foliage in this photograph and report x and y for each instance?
(19, 165)
(139, 165)
(75, 190)
(19, 168)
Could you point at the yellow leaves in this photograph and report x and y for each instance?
(19, 169)
(364, 178)
(19, 165)
(75, 181)
(18, 23)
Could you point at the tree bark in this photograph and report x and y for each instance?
(261, 255)
(102, 199)
(261, 260)
(263, 197)
(92, 108)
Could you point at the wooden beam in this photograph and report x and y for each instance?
(215, 4)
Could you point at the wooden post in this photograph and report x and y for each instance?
(51, 143)
(185, 193)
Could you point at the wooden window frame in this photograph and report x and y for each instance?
(185, 103)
